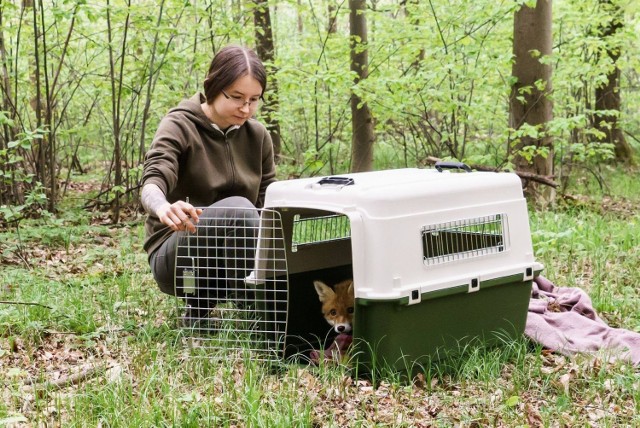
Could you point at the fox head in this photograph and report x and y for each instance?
(337, 304)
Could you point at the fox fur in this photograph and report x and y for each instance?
(337, 304)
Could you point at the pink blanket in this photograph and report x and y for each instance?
(563, 319)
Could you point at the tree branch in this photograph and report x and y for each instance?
(85, 373)
(542, 179)
(9, 302)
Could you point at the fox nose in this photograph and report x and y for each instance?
(342, 328)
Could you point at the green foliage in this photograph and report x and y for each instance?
(439, 80)
(14, 176)
(78, 296)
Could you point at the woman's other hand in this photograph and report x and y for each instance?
(179, 215)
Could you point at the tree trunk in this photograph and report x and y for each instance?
(414, 20)
(332, 25)
(361, 120)
(116, 94)
(147, 101)
(51, 156)
(265, 50)
(608, 94)
(529, 101)
(9, 191)
(36, 103)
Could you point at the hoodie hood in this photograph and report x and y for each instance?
(192, 110)
(192, 158)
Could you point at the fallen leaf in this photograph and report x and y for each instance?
(564, 380)
(512, 401)
(534, 419)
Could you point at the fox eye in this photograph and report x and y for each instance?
(333, 312)
(350, 310)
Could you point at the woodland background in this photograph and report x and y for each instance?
(549, 90)
(546, 89)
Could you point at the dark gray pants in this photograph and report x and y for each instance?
(223, 247)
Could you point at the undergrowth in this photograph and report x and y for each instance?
(86, 339)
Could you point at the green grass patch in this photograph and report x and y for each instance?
(78, 298)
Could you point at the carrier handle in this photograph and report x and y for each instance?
(440, 165)
(336, 181)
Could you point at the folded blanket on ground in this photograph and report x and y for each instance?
(562, 319)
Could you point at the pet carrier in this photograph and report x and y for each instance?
(438, 259)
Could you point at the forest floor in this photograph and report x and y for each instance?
(86, 339)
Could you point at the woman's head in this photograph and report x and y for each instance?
(228, 65)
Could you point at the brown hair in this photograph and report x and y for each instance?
(229, 64)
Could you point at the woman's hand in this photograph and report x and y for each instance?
(179, 215)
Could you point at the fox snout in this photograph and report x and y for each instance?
(342, 328)
(337, 304)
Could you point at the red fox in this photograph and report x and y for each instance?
(337, 304)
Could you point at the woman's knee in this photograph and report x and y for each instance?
(234, 202)
(163, 262)
(232, 209)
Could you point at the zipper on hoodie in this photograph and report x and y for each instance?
(227, 146)
(231, 163)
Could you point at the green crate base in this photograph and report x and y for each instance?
(391, 334)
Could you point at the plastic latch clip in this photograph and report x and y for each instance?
(528, 274)
(415, 297)
(474, 285)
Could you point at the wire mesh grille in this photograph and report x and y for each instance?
(463, 239)
(231, 281)
(314, 230)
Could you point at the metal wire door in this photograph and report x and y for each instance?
(232, 283)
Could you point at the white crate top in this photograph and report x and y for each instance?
(395, 192)
(389, 212)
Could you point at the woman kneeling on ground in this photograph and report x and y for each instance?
(209, 152)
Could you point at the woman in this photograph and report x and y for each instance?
(209, 152)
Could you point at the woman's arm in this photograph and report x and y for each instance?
(178, 216)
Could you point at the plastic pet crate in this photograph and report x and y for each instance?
(439, 259)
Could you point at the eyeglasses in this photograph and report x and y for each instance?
(240, 102)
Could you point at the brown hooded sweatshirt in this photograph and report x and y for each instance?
(190, 158)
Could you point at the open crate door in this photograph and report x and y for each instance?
(236, 282)
(318, 245)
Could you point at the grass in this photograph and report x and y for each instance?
(83, 301)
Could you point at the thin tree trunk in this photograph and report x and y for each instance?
(37, 103)
(332, 25)
(266, 52)
(8, 191)
(414, 20)
(529, 102)
(115, 107)
(51, 182)
(608, 94)
(147, 102)
(361, 119)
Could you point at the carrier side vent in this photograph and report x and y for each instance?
(315, 230)
(464, 239)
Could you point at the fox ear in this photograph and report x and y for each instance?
(323, 290)
(350, 289)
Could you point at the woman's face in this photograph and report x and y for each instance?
(237, 103)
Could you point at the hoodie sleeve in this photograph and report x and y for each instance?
(268, 168)
(161, 165)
